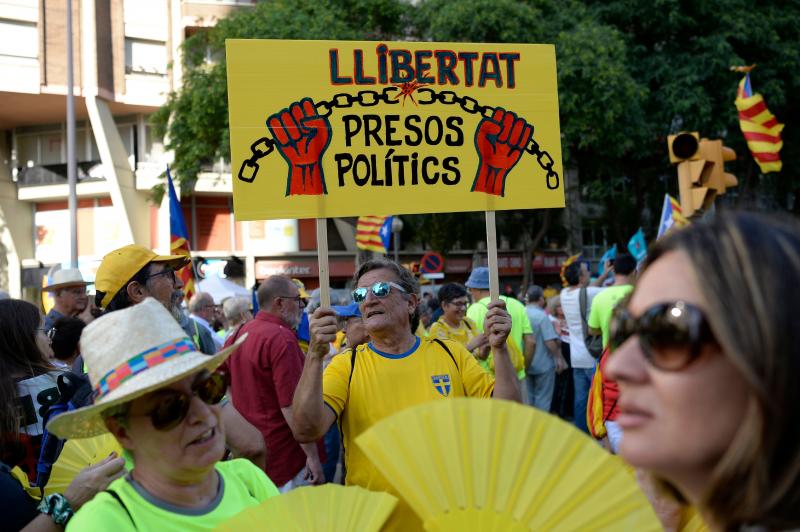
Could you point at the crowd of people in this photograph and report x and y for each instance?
(683, 365)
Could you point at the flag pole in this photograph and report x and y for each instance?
(322, 255)
(491, 249)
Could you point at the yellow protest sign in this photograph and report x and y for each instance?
(325, 129)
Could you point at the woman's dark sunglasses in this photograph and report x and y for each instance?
(173, 405)
(671, 335)
(380, 289)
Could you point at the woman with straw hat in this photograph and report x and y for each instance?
(160, 399)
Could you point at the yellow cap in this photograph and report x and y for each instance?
(301, 288)
(119, 266)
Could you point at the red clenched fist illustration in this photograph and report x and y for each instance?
(302, 136)
(500, 141)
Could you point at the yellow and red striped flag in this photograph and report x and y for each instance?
(761, 129)
(179, 239)
(374, 233)
(671, 216)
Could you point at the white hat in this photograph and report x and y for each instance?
(64, 278)
(129, 353)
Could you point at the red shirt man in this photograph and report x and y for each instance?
(265, 371)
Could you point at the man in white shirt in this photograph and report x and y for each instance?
(202, 307)
(583, 364)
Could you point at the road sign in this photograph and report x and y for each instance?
(432, 262)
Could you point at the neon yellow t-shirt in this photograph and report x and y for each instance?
(243, 485)
(603, 306)
(520, 325)
(383, 384)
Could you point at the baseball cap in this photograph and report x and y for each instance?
(120, 265)
(301, 288)
(479, 279)
(347, 311)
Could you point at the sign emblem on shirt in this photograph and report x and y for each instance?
(442, 384)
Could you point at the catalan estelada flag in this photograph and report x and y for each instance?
(374, 233)
(761, 129)
(671, 216)
(179, 238)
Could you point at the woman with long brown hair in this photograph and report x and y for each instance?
(707, 357)
(27, 383)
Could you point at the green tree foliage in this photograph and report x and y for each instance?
(195, 119)
(630, 72)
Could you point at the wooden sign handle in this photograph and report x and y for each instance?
(322, 255)
(491, 249)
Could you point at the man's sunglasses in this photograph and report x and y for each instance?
(672, 335)
(380, 289)
(173, 405)
(168, 272)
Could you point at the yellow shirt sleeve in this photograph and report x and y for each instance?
(437, 330)
(336, 380)
(477, 382)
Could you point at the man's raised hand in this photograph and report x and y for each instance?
(322, 326)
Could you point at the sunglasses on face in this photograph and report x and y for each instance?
(169, 273)
(380, 289)
(173, 405)
(671, 335)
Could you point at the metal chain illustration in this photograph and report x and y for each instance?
(367, 98)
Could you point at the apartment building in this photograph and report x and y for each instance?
(126, 57)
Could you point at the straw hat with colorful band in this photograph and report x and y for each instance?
(152, 357)
(64, 278)
(130, 353)
(119, 267)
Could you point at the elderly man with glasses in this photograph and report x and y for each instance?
(129, 275)
(264, 374)
(69, 296)
(393, 371)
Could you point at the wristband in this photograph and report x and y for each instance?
(57, 506)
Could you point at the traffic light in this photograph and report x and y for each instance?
(717, 153)
(701, 170)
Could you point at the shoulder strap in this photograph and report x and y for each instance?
(352, 367)
(582, 304)
(448, 352)
(444, 346)
(119, 500)
(466, 322)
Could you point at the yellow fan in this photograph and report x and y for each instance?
(472, 464)
(327, 508)
(692, 521)
(76, 455)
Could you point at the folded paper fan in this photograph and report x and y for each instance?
(472, 464)
(76, 455)
(327, 508)
(692, 521)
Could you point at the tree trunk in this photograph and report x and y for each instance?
(572, 212)
(530, 245)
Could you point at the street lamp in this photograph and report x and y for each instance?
(397, 227)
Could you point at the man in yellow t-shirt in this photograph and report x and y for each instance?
(394, 371)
